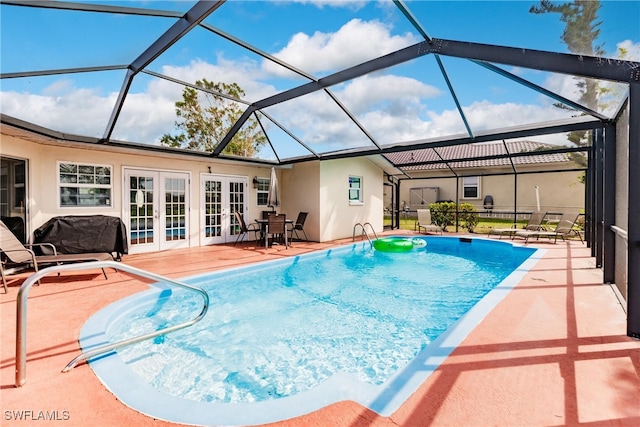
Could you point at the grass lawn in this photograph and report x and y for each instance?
(483, 226)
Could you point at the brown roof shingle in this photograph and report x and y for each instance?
(476, 156)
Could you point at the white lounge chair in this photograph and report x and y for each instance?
(425, 223)
(562, 230)
(534, 224)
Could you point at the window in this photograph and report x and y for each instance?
(84, 184)
(262, 190)
(470, 187)
(355, 190)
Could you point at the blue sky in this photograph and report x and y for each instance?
(404, 103)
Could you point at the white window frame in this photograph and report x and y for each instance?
(81, 185)
(262, 188)
(475, 184)
(355, 191)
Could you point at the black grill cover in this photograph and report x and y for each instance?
(83, 234)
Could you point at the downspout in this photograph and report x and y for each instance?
(515, 185)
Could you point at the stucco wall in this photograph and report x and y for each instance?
(558, 191)
(337, 216)
(42, 201)
(301, 193)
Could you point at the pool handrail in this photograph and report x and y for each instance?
(21, 316)
(364, 231)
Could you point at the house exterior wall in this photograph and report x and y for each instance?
(558, 191)
(301, 193)
(43, 160)
(337, 216)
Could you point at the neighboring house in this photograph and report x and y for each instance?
(548, 179)
(174, 200)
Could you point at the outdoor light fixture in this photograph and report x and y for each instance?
(209, 167)
(255, 182)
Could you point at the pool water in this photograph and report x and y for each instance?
(281, 329)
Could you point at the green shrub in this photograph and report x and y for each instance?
(468, 216)
(443, 214)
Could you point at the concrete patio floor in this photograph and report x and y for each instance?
(552, 353)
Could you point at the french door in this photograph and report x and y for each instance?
(222, 196)
(156, 210)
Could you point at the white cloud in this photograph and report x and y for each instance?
(402, 95)
(351, 4)
(244, 72)
(481, 115)
(632, 50)
(484, 115)
(76, 111)
(356, 42)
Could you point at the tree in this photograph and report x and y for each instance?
(205, 117)
(580, 35)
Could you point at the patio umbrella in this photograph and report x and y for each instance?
(273, 198)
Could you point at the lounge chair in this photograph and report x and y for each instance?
(298, 225)
(562, 230)
(534, 224)
(14, 252)
(246, 229)
(424, 222)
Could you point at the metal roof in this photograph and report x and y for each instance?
(479, 156)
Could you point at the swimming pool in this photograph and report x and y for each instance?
(288, 337)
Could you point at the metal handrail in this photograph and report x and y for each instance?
(364, 231)
(620, 232)
(372, 230)
(21, 327)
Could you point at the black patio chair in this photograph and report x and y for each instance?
(246, 229)
(277, 229)
(298, 225)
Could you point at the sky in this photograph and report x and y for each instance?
(404, 103)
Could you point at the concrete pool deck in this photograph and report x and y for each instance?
(553, 352)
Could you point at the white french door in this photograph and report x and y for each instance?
(156, 210)
(221, 196)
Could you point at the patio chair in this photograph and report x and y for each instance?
(276, 228)
(298, 225)
(246, 229)
(562, 230)
(14, 252)
(534, 224)
(424, 222)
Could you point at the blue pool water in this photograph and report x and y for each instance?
(284, 338)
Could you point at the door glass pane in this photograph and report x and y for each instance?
(13, 196)
(236, 204)
(213, 208)
(175, 209)
(141, 199)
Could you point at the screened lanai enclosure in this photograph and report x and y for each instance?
(400, 82)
